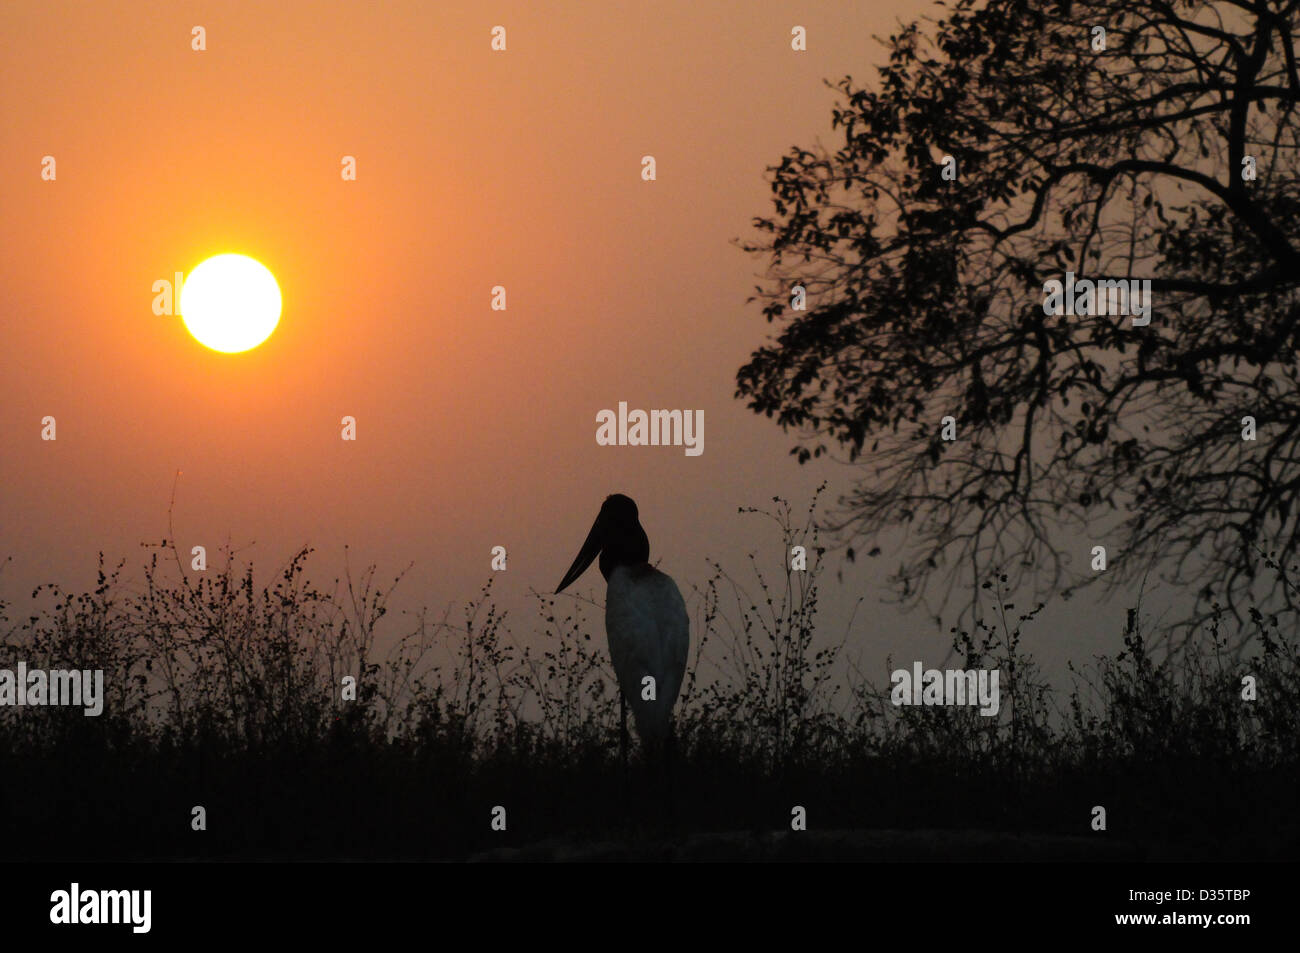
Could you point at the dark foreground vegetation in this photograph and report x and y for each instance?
(226, 694)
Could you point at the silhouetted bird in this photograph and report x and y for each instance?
(645, 619)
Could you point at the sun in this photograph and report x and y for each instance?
(230, 303)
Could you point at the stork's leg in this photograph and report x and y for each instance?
(670, 752)
(622, 729)
(669, 755)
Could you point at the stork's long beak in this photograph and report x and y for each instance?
(587, 555)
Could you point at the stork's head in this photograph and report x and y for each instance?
(616, 537)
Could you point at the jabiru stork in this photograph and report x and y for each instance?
(645, 620)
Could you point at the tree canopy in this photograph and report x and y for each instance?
(1131, 140)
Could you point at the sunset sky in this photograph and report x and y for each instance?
(476, 428)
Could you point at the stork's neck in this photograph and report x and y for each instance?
(628, 547)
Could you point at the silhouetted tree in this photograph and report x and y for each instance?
(1123, 154)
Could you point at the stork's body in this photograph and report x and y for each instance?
(645, 617)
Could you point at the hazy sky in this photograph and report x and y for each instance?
(476, 428)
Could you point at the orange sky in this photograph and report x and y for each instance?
(476, 428)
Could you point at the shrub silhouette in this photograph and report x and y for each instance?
(227, 694)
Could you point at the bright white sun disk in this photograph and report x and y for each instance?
(230, 303)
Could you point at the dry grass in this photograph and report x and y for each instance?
(226, 693)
